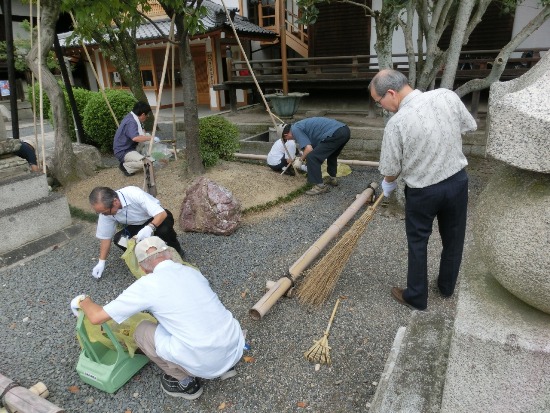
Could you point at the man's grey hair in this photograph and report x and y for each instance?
(149, 263)
(386, 80)
(102, 195)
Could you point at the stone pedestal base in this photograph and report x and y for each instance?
(500, 350)
(12, 166)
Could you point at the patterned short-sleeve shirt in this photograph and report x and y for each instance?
(423, 141)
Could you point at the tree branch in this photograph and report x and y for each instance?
(499, 63)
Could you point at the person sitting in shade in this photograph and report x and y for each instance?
(196, 336)
(319, 138)
(140, 215)
(282, 154)
(127, 137)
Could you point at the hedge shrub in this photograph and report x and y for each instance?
(218, 139)
(81, 97)
(98, 122)
(45, 101)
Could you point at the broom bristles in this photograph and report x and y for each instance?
(320, 281)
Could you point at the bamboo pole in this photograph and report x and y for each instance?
(22, 400)
(283, 284)
(342, 161)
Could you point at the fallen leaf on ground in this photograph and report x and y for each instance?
(249, 359)
(303, 405)
(221, 406)
(74, 389)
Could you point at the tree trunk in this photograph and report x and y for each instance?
(190, 110)
(64, 160)
(385, 24)
(457, 39)
(499, 63)
(433, 29)
(121, 51)
(407, 28)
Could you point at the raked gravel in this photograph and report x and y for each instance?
(37, 334)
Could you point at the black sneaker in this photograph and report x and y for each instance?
(124, 171)
(172, 387)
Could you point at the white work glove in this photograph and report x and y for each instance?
(75, 303)
(297, 163)
(98, 269)
(156, 139)
(388, 187)
(143, 233)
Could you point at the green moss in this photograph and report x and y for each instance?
(78, 213)
(281, 200)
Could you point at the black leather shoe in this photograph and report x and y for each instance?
(124, 171)
(397, 294)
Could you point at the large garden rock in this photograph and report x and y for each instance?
(209, 207)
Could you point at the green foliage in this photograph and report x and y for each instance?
(21, 49)
(45, 101)
(81, 97)
(97, 120)
(218, 139)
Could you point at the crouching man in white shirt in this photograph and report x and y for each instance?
(196, 336)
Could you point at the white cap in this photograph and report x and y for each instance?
(142, 247)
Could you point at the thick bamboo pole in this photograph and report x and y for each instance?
(22, 400)
(280, 287)
(343, 161)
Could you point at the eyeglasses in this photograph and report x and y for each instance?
(377, 102)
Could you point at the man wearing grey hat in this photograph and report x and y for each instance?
(196, 336)
(319, 138)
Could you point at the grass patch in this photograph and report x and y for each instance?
(82, 215)
(281, 200)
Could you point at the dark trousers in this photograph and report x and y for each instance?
(328, 149)
(448, 201)
(279, 167)
(165, 231)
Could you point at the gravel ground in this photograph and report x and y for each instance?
(38, 338)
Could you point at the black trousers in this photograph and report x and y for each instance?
(448, 201)
(165, 231)
(328, 149)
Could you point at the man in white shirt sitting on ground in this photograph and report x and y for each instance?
(196, 336)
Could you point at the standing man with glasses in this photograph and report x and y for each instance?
(140, 215)
(423, 145)
(127, 137)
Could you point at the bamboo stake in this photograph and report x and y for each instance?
(320, 351)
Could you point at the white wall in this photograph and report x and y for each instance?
(524, 13)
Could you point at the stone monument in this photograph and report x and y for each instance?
(499, 358)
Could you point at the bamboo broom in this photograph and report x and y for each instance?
(320, 281)
(319, 352)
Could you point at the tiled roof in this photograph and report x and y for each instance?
(215, 19)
